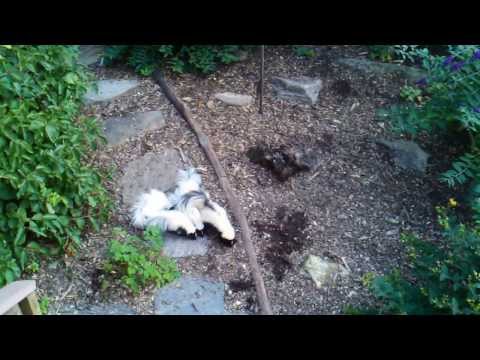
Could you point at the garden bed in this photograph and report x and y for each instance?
(351, 208)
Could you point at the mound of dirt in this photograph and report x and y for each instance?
(284, 161)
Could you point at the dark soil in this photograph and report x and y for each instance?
(286, 236)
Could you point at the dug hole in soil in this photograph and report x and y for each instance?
(351, 209)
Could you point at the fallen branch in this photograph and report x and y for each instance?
(233, 202)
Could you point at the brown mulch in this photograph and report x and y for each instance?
(353, 207)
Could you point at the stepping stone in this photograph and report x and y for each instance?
(109, 90)
(178, 246)
(151, 171)
(119, 129)
(303, 89)
(90, 54)
(323, 271)
(407, 154)
(234, 99)
(107, 309)
(371, 67)
(191, 296)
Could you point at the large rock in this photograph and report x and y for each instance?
(109, 90)
(370, 67)
(106, 309)
(191, 296)
(180, 246)
(119, 129)
(90, 54)
(234, 99)
(151, 171)
(302, 89)
(407, 154)
(323, 271)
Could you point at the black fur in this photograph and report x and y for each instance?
(191, 195)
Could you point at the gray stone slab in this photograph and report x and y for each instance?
(178, 246)
(323, 271)
(119, 129)
(109, 90)
(151, 171)
(191, 296)
(106, 309)
(303, 89)
(90, 54)
(378, 68)
(407, 154)
(234, 99)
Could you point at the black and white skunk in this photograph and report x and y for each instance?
(154, 208)
(187, 208)
(191, 199)
(201, 209)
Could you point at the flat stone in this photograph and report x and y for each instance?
(151, 171)
(368, 67)
(90, 54)
(303, 89)
(234, 99)
(119, 129)
(107, 309)
(323, 271)
(109, 90)
(407, 154)
(191, 296)
(178, 246)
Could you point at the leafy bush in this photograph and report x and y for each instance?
(411, 94)
(383, 53)
(47, 192)
(450, 105)
(406, 54)
(179, 58)
(138, 263)
(304, 51)
(44, 304)
(446, 276)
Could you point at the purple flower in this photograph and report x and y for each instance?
(457, 66)
(476, 109)
(422, 82)
(476, 55)
(448, 60)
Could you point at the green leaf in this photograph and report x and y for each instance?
(9, 276)
(6, 192)
(20, 237)
(70, 78)
(52, 132)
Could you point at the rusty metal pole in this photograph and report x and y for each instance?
(262, 67)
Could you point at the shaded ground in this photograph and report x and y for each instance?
(354, 206)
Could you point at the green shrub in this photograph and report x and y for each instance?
(383, 53)
(44, 304)
(406, 54)
(450, 105)
(139, 263)
(446, 276)
(304, 51)
(47, 192)
(411, 94)
(179, 58)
